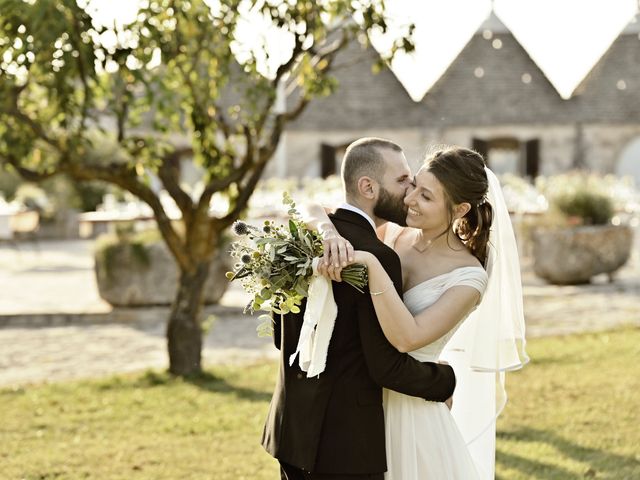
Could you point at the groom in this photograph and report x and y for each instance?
(331, 427)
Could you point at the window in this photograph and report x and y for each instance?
(331, 158)
(510, 155)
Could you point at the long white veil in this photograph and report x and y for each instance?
(490, 341)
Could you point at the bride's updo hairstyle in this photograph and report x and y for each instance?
(462, 174)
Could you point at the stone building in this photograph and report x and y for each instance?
(496, 100)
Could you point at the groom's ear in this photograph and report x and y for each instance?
(367, 187)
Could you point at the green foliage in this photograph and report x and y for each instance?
(165, 87)
(34, 198)
(9, 183)
(133, 245)
(579, 195)
(57, 194)
(275, 263)
(175, 71)
(592, 208)
(90, 195)
(172, 70)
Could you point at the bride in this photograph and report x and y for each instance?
(462, 303)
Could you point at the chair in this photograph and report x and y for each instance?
(24, 226)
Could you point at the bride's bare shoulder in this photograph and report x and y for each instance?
(465, 259)
(390, 231)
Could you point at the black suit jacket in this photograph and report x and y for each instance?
(334, 423)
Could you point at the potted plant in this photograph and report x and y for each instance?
(579, 240)
(135, 269)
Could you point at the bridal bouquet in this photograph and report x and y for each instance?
(276, 264)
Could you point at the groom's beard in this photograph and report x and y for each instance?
(391, 208)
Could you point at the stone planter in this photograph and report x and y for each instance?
(143, 274)
(572, 256)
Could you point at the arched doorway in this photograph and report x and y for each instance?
(629, 161)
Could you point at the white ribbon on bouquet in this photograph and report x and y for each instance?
(317, 326)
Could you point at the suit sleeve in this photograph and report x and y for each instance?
(392, 369)
(277, 329)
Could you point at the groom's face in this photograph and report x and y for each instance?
(393, 188)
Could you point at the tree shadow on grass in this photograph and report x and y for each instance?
(532, 467)
(205, 381)
(212, 383)
(600, 461)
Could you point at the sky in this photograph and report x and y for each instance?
(565, 38)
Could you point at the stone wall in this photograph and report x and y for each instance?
(303, 148)
(557, 142)
(602, 144)
(591, 129)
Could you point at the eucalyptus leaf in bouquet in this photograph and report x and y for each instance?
(275, 265)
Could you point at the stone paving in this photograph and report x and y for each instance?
(54, 326)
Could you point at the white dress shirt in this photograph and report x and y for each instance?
(347, 206)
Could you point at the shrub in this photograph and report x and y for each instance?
(132, 244)
(582, 195)
(592, 207)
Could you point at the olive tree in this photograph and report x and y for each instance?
(170, 82)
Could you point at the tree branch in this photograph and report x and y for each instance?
(35, 127)
(288, 65)
(122, 112)
(83, 75)
(236, 175)
(221, 121)
(125, 177)
(265, 152)
(28, 174)
(170, 180)
(282, 70)
(282, 119)
(245, 194)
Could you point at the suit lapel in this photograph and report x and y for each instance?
(353, 218)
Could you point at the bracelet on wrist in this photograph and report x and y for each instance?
(373, 294)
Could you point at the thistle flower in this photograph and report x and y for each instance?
(240, 228)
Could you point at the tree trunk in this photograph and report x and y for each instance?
(184, 332)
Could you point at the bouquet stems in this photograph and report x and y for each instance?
(356, 276)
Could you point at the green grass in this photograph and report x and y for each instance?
(573, 414)
(145, 426)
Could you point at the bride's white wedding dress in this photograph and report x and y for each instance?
(423, 441)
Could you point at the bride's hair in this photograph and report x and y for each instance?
(462, 174)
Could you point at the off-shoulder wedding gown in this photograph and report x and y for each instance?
(422, 439)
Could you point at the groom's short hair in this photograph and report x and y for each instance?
(364, 157)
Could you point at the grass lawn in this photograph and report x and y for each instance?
(573, 414)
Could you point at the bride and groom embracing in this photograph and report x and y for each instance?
(443, 313)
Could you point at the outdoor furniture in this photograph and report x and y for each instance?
(5, 229)
(92, 224)
(16, 225)
(25, 224)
